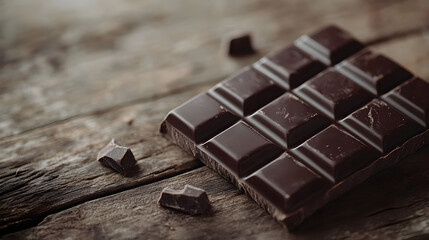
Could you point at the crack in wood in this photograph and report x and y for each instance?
(393, 208)
(395, 223)
(424, 236)
(32, 220)
(397, 35)
(155, 153)
(12, 188)
(125, 104)
(59, 179)
(164, 170)
(182, 89)
(5, 189)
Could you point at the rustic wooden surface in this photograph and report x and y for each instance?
(75, 74)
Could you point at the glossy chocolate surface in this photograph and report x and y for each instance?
(288, 120)
(278, 182)
(246, 92)
(330, 45)
(201, 118)
(333, 94)
(289, 68)
(375, 72)
(295, 134)
(381, 126)
(241, 149)
(411, 98)
(335, 153)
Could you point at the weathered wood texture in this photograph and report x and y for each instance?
(83, 56)
(372, 209)
(70, 84)
(55, 168)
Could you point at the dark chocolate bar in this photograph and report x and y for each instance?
(304, 125)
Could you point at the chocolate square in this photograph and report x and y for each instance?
(286, 183)
(375, 72)
(412, 99)
(381, 126)
(335, 153)
(246, 92)
(330, 45)
(289, 68)
(201, 118)
(241, 149)
(333, 94)
(288, 120)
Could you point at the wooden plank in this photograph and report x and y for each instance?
(100, 54)
(54, 168)
(393, 204)
(411, 51)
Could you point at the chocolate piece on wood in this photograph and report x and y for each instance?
(293, 152)
(245, 92)
(117, 157)
(190, 200)
(238, 44)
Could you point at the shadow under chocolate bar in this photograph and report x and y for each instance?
(302, 126)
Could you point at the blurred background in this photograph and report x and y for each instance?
(76, 73)
(63, 58)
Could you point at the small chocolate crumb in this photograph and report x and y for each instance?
(128, 118)
(190, 200)
(117, 157)
(239, 44)
(129, 122)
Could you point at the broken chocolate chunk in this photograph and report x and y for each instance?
(117, 157)
(190, 200)
(239, 44)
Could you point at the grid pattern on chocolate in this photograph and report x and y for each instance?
(245, 92)
(289, 67)
(330, 45)
(288, 120)
(241, 159)
(329, 124)
(212, 118)
(411, 98)
(375, 72)
(333, 94)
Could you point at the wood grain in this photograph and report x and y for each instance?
(90, 56)
(376, 208)
(55, 168)
(104, 69)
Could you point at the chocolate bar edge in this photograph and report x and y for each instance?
(292, 220)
